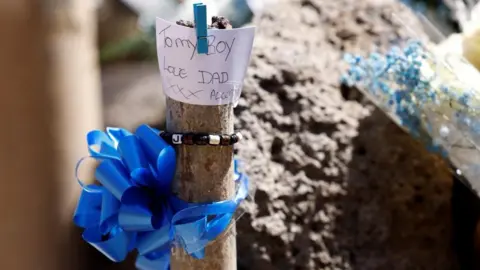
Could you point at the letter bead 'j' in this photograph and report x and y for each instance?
(177, 138)
(200, 138)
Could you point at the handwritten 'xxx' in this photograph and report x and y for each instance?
(177, 89)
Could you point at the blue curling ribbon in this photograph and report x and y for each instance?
(134, 207)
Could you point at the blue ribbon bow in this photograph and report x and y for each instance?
(134, 207)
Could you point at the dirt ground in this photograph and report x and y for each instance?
(339, 186)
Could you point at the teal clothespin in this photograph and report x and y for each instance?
(200, 15)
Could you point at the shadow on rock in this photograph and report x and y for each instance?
(392, 211)
(465, 215)
(396, 213)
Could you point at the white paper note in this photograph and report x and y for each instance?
(215, 78)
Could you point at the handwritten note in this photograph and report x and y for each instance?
(215, 78)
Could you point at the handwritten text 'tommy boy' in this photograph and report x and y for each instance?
(214, 46)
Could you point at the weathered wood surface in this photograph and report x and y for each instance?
(204, 174)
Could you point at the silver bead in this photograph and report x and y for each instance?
(214, 139)
(444, 131)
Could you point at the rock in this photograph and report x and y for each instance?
(338, 185)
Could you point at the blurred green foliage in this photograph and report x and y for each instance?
(140, 47)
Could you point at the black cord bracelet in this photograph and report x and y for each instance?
(200, 138)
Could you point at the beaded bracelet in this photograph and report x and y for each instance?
(200, 138)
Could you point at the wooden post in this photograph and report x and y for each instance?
(49, 99)
(75, 84)
(27, 230)
(204, 174)
(75, 89)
